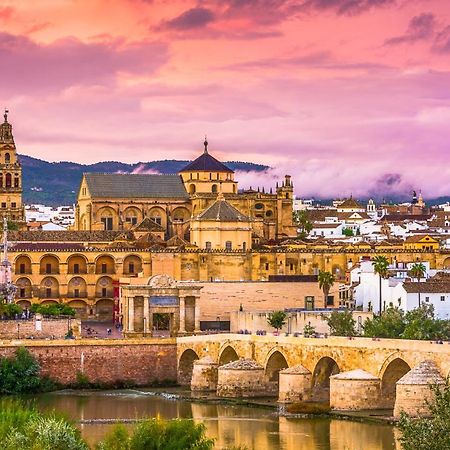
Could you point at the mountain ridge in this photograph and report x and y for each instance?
(63, 178)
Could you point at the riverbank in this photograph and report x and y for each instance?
(256, 424)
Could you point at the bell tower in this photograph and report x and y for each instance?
(11, 206)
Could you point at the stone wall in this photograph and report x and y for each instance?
(221, 298)
(38, 329)
(108, 361)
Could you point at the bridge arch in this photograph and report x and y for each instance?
(446, 263)
(275, 362)
(393, 369)
(186, 366)
(325, 367)
(227, 354)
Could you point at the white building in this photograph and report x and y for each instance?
(366, 286)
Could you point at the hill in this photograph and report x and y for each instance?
(57, 183)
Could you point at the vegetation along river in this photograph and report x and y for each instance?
(256, 428)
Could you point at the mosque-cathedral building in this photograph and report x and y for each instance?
(192, 226)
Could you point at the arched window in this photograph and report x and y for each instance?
(214, 188)
(16, 181)
(228, 245)
(7, 158)
(8, 180)
(1, 181)
(192, 189)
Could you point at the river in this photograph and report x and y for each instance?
(258, 428)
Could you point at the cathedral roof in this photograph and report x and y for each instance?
(116, 185)
(221, 210)
(206, 163)
(148, 224)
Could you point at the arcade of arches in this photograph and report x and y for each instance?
(316, 361)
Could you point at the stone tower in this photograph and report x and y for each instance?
(11, 206)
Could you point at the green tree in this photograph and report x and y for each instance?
(347, 232)
(420, 323)
(300, 218)
(341, 323)
(20, 374)
(57, 309)
(418, 271)
(326, 281)
(390, 324)
(380, 266)
(277, 319)
(431, 433)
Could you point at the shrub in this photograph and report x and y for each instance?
(57, 309)
(431, 433)
(341, 323)
(154, 434)
(20, 374)
(24, 428)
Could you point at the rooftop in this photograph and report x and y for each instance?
(206, 163)
(116, 185)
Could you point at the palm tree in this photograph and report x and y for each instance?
(380, 266)
(418, 271)
(326, 280)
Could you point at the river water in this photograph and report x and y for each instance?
(258, 428)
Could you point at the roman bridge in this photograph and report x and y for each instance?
(386, 359)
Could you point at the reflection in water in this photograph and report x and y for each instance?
(256, 428)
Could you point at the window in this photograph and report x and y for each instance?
(13, 205)
(76, 268)
(22, 268)
(214, 188)
(8, 180)
(427, 299)
(291, 266)
(267, 266)
(330, 300)
(131, 268)
(76, 293)
(104, 268)
(157, 219)
(3, 205)
(309, 302)
(7, 158)
(244, 246)
(22, 292)
(107, 223)
(442, 298)
(16, 182)
(228, 245)
(104, 292)
(48, 268)
(131, 219)
(208, 245)
(48, 292)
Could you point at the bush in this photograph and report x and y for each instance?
(341, 323)
(431, 433)
(57, 309)
(10, 310)
(418, 323)
(20, 374)
(23, 427)
(154, 434)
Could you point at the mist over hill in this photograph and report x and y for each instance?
(57, 183)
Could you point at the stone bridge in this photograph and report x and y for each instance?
(387, 359)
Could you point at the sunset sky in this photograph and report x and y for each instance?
(348, 96)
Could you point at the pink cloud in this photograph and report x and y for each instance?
(309, 88)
